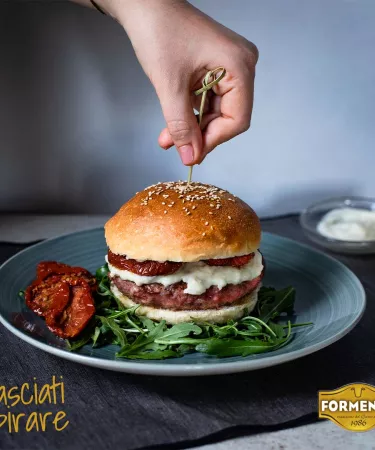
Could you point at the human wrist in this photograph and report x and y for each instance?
(130, 13)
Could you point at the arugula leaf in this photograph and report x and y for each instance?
(96, 336)
(222, 330)
(156, 354)
(262, 323)
(103, 305)
(83, 339)
(179, 331)
(180, 341)
(142, 341)
(277, 329)
(184, 349)
(154, 346)
(232, 347)
(117, 331)
(78, 343)
(147, 323)
(102, 272)
(297, 325)
(272, 303)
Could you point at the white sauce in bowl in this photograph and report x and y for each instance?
(348, 224)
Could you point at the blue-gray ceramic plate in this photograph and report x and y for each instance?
(328, 294)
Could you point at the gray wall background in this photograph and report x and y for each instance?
(79, 120)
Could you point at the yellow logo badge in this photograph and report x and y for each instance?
(352, 406)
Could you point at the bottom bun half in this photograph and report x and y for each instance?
(218, 316)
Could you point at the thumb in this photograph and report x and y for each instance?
(182, 126)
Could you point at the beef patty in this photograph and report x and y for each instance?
(174, 298)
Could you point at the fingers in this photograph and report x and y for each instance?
(165, 140)
(182, 127)
(233, 114)
(227, 114)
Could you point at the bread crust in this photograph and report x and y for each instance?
(184, 223)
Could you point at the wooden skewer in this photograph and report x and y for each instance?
(206, 86)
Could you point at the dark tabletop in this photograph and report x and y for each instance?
(109, 410)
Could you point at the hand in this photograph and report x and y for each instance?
(176, 45)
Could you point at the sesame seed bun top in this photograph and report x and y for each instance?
(176, 221)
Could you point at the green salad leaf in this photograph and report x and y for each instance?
(275, 302)
(137, 337)
(233, 347)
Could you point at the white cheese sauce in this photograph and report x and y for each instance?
(348, 224)
(198, 276)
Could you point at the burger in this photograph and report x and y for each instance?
(185, 252)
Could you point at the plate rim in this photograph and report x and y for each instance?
(167, 369)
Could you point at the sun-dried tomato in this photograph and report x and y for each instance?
(236, 261)
(63, 296)
(45, 296)
(48, 269)
(144, 268)
(69, 322)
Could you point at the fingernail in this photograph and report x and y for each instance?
(186, 153)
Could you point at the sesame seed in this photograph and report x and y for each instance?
(193, 207)
(163, 203)
(206, 223)
(188, 213)
(203, 234)
(165, 212)
(229, 217)
(210, 212)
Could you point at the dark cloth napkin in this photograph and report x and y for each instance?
(109, 410)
